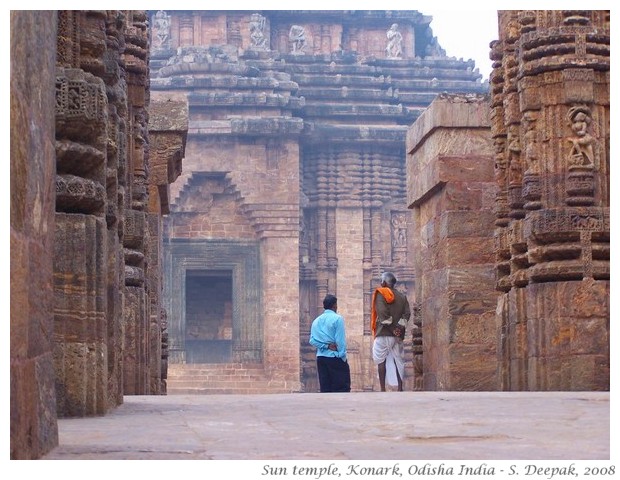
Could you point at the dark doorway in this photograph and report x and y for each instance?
(208, 316)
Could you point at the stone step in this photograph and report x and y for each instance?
(219, 390)
(218, 368)
(208, 379)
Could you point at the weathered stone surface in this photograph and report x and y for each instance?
(80, 328)
(33, 424)
(552, 172)
(454, 261)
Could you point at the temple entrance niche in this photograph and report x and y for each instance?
(214, 306)
(209, 315)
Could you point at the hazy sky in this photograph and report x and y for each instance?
(465, 34)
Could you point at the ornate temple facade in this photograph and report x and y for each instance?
(293, 184)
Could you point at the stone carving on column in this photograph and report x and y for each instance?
(531, 142)
(515, 171)
(580, 176)
(501, 178)
(531, 176)
(417, 346)
(297, 39)
(581, 153)
(258, 40)
(394, 47)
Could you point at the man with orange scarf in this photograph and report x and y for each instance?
(389, 314)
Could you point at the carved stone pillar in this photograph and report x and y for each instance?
(137, 241)
(81, 240)
(168, 124)
(559, 242)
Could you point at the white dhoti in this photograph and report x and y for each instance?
(390, 350)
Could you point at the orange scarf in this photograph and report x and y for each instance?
(389, 298)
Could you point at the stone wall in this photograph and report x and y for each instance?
(551, 128)
(87, 197)
(451, 192)
(34, 429)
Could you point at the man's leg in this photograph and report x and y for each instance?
(381, 369)
(400, 380)
(341, 376)
(379, 354)
(323, 369)
(399, 352)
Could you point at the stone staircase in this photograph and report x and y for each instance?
(223, 378)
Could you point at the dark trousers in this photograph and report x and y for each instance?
(334, 374)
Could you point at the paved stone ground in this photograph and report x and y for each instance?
(392, 426)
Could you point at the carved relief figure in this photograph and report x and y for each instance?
(515, 174)
(297, 36)
(531, 142)
(161, 30)
(500, 161)
(582, 150)
(394, 47)
(257, 31)
(399, 230)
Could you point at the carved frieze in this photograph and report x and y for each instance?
(258, 38)
(160, 31)
(80, 101)
(297, 39)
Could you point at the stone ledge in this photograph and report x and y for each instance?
(449, 111)
(389, 133)
(263, 126)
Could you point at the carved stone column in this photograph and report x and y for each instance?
(81, 239)
(558, 241)
(137, 241)
(168, 124)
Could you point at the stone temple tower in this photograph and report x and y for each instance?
(293, 185)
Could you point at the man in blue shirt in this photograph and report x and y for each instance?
(328, 336)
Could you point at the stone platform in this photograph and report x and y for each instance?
(406, 427)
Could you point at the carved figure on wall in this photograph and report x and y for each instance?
(257, 31)
(399, 230)
(394, 47)
(297, 37)
(531, 142)
(500, 161)
(582, 150)
(161, 30)
(515, 174)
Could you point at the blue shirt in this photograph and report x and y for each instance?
(328, 328)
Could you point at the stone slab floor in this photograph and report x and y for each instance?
(406, 426)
